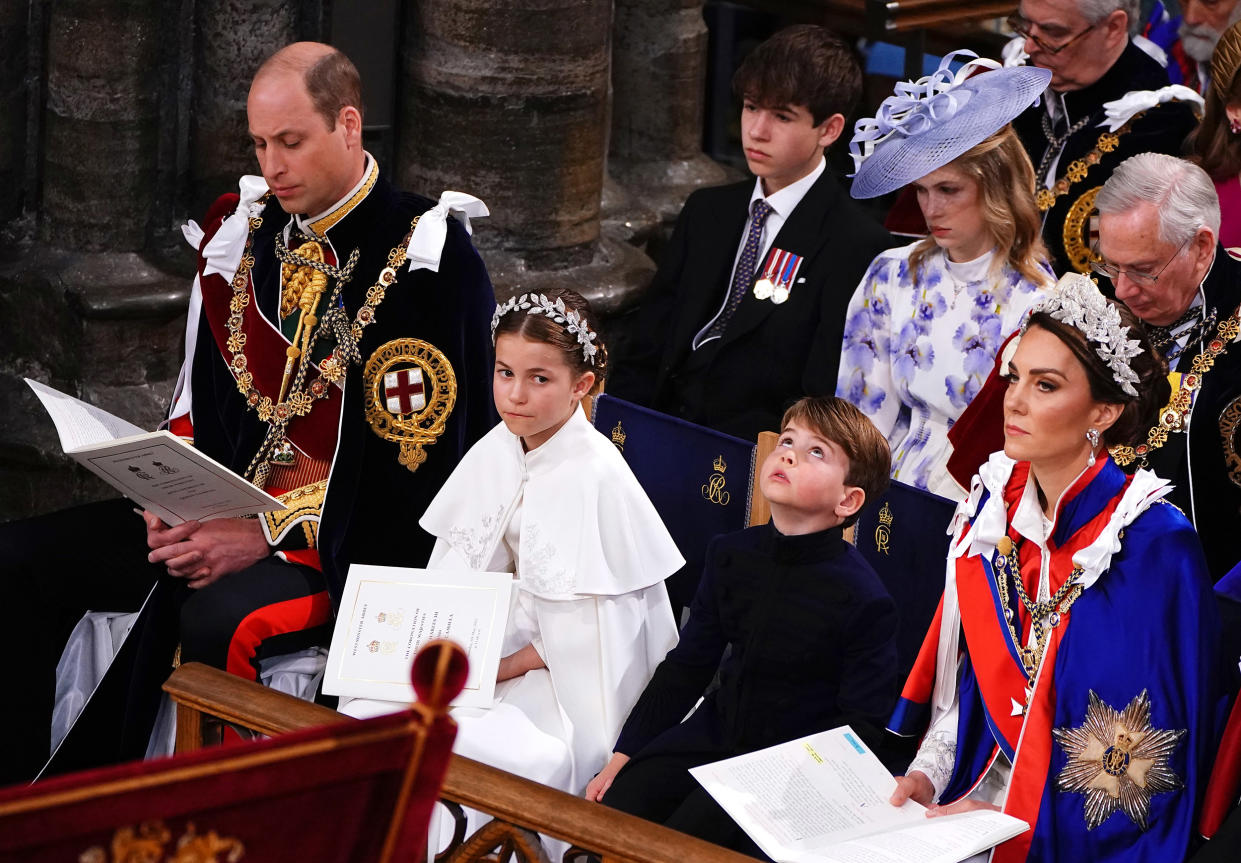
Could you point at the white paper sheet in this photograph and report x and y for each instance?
(387, 613)
(825, 798)
(156, 470)
(80, 424)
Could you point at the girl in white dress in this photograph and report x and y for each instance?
(547, 497)
(925, 324)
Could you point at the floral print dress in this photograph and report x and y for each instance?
(913, 357)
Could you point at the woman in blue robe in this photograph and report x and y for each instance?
(1069, 677)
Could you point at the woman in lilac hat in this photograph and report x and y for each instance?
(927, 320)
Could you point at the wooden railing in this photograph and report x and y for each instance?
(891, 15)
(906, 22)
(207, 699)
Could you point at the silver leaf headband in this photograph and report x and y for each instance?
(539, 304)
(1076, 301)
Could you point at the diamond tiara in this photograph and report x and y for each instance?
(539, 304)
(1076, 301)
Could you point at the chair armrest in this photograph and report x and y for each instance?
(760, 510)
(225, 696)
(615, 837)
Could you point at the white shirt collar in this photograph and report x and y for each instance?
(1029, 519)
(787, 199)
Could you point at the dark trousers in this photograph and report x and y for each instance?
(56, 567)
(660, 788)
(1225, 845)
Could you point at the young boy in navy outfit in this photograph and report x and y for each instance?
(811, 627)
(746, 312)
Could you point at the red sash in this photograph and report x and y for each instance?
(265, 351)
(1001, 677)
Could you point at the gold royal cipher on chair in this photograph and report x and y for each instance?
(883, 533)
(714, 489)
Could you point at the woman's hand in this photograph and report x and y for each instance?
(601, 783)
(960, 806)
(916, 787)
(517, 664)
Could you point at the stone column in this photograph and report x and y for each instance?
(509, 102)
(101, 123)
(13, 62)
(88, 311)
(659, 60)
(233, 40)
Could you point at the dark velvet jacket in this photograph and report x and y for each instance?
(769, 355)
(371, 510)
(812, 633)
(1160, 130)
(1204, 462)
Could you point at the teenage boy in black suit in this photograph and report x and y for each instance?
(747, 309)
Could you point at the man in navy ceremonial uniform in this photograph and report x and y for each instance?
(338, 354)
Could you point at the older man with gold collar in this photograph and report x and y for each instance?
(1107, 100)
(1158, 223)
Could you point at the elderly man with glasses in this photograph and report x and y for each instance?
(1108, 100)
(1158, 223)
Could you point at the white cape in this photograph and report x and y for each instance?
(591, 559)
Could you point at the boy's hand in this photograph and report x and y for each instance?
(517, 664)
(601, 783)
(916, 787)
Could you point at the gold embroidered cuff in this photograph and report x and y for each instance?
(304, 505)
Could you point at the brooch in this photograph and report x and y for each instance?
(1118, 760)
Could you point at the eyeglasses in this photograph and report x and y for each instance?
(1021, 26)
(1113, 272)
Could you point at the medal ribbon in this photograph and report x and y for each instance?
(775, 263)
(791, 265)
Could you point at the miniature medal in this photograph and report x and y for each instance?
(778, 276)
(788, 272)
(765, 286)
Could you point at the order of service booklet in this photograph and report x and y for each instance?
(156, 470)
(824, 799)
(388, 612)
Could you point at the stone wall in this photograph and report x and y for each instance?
(576, 121)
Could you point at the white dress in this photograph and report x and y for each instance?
(913, 358)
(590, 554)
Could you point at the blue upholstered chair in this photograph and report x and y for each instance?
(701, 481)
(903, 535)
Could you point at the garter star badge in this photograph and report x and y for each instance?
(410, 391)
(1118, 760)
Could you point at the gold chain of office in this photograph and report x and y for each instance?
(1172, 417)
(1078, 168)
(300, 398)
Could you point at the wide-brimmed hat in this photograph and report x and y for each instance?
(927, 123)
(1225, 61)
